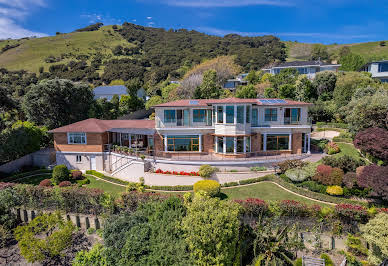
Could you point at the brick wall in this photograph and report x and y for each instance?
(95, 143)
(297, 143)
(208, 143)
(256, 142)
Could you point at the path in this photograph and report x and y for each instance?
(328, 134)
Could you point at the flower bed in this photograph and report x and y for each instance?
(350, 212)
(160, 171)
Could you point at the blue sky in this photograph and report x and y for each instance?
(326, 21)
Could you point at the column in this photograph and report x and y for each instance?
(224, 113)
(129, 140)
(235, 142)
(235, 114)
(245, 115)
(120, 140)
(308, 143)
(224, 145)
(165, 143)
(200, 142)
(305, 143)
(245, 144)
(216, 146)
(290, 141)
(265, 142)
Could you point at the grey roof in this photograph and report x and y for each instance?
(301, 64)
(117, 89)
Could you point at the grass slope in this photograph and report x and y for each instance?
(30, 55)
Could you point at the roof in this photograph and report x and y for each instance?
(207, 102)
(116, 89)
(139, 114)
(301, 64)
(100, 126)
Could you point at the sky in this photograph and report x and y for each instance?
(313, 21)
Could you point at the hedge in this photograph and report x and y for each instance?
(107, 178)
(25, 174)
(171, 188)
(256, 180)
(212, 187)
(332, 125)
(340, 139)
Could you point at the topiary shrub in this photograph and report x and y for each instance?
(45, 183)
(60, 173)
(335, 190)
(332, 148)
(345, 162)
(76, 175)
(290, 164)
(206, 171)
(328, 175)
(211, 187)
(300, 174)
(349, 180)
(336, 177)
(328, 261)
(64, 184)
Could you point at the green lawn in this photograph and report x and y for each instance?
(264, 191)
(348, 149)
(34, 180)
(107, 187)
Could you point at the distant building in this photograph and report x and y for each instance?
(378, 69)
(232, 84)
(308, 68)
(107, 92)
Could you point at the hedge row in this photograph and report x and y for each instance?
(25, 174)
(107, 178)
(170, 188)
(332, 125)
(340, 139)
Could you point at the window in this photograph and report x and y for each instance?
(240, 114)
(303, 70)
(214, 114)
(199, 115)
(169, 116)
(240, 144)
(183, 143)
(277, 142)
(271, 114)
(248, 114)
(383, 67)
(255, 118)
(220, 114)
(291, 116)
(220, 144)
(209, 117)
(248, 144)
(229, 114)
(78, 158)
(76, 138)
(229, 144)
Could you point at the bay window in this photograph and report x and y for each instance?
(229, 144)
(220, 144)
(76, 138)
(240, 114)
(240, 144)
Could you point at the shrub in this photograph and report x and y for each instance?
(45, 237)
(76, 175)
(313, 186)
(64, 184)
(332, 148)
(297, 174)
(254, 207)
(375, 178)
(211, 187)
(344, 162)
(90, 230)
(298, 262)
(335, 190)
(336, 176)
(258, 168)
(355, 246)
(290, 164)
(60, 173)
(292, 208)
(206, 171)
(328, 261)
(373, 141)
(83, 182)
(349, 180)
(350, 213)
(45, 183)
(230, 184)
(5, 234)
(328, 175)
(129, 202)
(95, 257)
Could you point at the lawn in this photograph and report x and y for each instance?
(107, 187)
(348, 149)
(264, 191)
(34, 180)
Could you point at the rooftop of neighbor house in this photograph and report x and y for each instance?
(207, 102)
(94, 125)
(301, 64)
(116, 89)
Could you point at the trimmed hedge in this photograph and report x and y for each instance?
(171, 188)
(332, 125)
(212, 187)
(25, 174)
(230, 184)
(107, 178)
(340, 139)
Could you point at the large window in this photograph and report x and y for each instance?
(383, 67)
(229, 144)
(240, 144)
(214, 114)
(220, 144)
(169, 116)
(76, 138)
(220, 114)
(248, 144)
(277, 142)
(291, 116)
(303, 70)
(255, 118)
(240, 114)
(183, 143)
(229, 114)
(199, 115)
(248, 114)
(271, 114)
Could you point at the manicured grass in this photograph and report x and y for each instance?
(264, 191)
(348, 149)
(34, 180)
(107, 187)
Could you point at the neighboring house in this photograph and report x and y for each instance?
(309, 68)
(232, 128)
(107, 92)
(378, 69)
(142, 94)
(232, 84)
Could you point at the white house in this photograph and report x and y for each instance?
(107, 92)
(378, 69)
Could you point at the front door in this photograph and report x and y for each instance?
(93, 162)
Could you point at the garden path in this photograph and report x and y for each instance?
(327, 134)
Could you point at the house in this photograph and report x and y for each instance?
(308, 68)
(232, 84)
(378, 69)
(231, 129)
(107, 92)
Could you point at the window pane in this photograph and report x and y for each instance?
(199, 115)
(209, 117)
(183, 143)
(186, 117)
(77, 138)
(229, 144)
(240, 114)
(220, 144)
(214, 114)
(383, 67)
(169, 116)
(271, 114)
(220, 114)
(255, 122)
(230, 114)
(248, 144)
(277, 142)
(240, 144)
(248, 115)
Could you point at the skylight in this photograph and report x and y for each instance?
(272, 101)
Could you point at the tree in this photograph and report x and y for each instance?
(6, 101)
(104, 109)
(133, 85)
(285, 76)
(304, 89)
(322, 111)
(209, 88)
(373, 141)
(324, 83)
(60, 174)
(58, 102)
(286, 91)
(116, 82)
(253, 77)
(375, 232)
(351, 62)
(95, 257)
(343, 51)
(246, 92)
(129, 103)
(154, 100)
(319, 52)
(211, 229)
(375, 178)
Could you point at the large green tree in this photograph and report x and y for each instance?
(209, 88)
(351, 62)
(324, 83)
(248, 91)
(319, 52)
(58, 102)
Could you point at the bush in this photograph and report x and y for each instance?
(293, 208)
(211, 187)
(290, 164)
(206, 171)
(335, 190)
(64, 184)
(350, 213)
(375, 178)
(313, 186)
(373, 141)
(297, 174)
(344, 162)
(254, 207)
(258, 168)
(349, 180)
(76, 175)
(328, 175)
(95, 257)
(90, 230)
(60, 173)
(298, 262)
(83, 182)
(355, 246)
(328, 261)
(45, 183)
(5, 235)
(332, 148)
(230, 184)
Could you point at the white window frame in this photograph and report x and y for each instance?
(69, 136)
(78, 158)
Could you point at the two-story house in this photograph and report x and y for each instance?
(308, 68)
(378, 69)
(232, 128)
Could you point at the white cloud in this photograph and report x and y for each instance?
(149, 17)
(227, 3)
(24, 4)
(8, 29)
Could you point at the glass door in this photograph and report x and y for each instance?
(179, 117)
